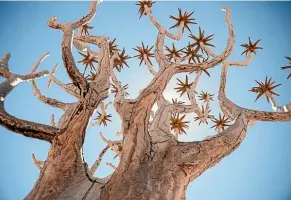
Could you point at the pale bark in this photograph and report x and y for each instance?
(153, 163)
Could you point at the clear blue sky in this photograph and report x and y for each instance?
(259, 169)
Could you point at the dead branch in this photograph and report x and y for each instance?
(47, 100)
(26, 128)
(72, 90)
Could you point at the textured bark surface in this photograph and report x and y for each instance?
(154, 164)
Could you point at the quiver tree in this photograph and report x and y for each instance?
(154, 164)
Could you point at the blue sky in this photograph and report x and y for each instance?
(259, 169)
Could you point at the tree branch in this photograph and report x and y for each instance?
(160, 126)
(96, 164)
(37, 163)
(47, 100)
(26, 128)
(149, 65)
(196, 157)
(68, 31)
(110, 145)
(179, 68)
(53, 124)
(232, 110)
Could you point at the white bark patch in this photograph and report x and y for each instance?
(16, 82)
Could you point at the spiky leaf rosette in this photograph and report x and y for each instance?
(202, 116)
(103, 118)
(113, 47)
(88, 60)
(183, 86)
(85, 29)
(91, 77)
(141, 5)
(288, 67)
(178, 124)
(204, 96)
(201, 39)
(191, 54)
(144, 51)
(114, 89)
(221, 122)
(250, 47)
(173, 52)
(186, 18)
(264, 87)
(119, 63)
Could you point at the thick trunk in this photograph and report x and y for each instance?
(64, 162)
(147, 181)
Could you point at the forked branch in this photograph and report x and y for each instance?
(232, 110)
(68, 31)
(26, 128)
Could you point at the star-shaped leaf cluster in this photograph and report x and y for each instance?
(202, 116)
(186, 18)
(103, 118)
(119, 63)
(220, 122)
(91, 77)
(288, 67)
(114, 89)
(144, 51)
(250, 47)
(178, 123)
(142, 4)
(173, 53)
(113, 47)
(264, 87)
(191, 54)
(88, 60)
(204, 96)
(201, 39)
(85, 29)
(183, 86)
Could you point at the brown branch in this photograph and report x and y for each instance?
(160, 125)
(72, 90)
(47, 100)
(179, 68)
(83, 46)
(232, 110)
(36, 91)
(34, 68)
(37, 163)
(26, 128)
(111, 165)
(149, 65)
(53, 124)
(96, 164)
(159, 52)
(110, 145)
(196, 157)
(68, 31)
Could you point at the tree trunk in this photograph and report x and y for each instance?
(64, 165)
(147, 181)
